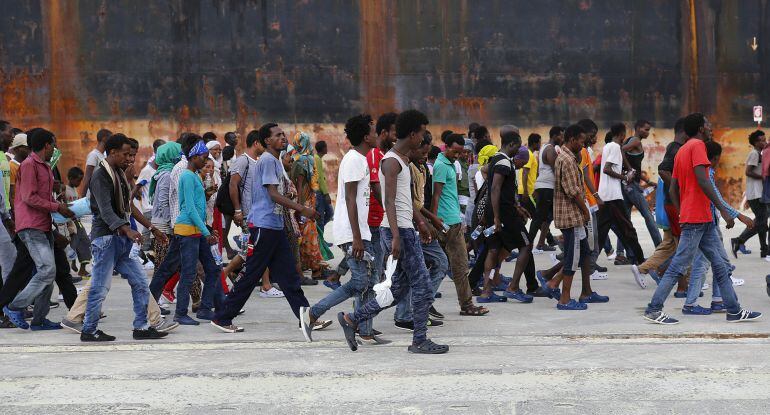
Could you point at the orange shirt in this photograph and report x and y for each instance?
(585, 160)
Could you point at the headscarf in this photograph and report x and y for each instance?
(487, 152)
(468, 144)
(217, 161)
(304, 154)
(290, 151)
(522, 154)
(198, 149)
(166, 157)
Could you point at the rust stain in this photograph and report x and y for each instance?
(377, 56)
(692, 92)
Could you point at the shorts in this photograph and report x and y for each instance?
(544, 204)
(513, 235)
(575, 249)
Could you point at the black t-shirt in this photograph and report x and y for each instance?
(668, 164)
(501, 164)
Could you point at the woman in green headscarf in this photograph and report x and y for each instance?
(166, 157)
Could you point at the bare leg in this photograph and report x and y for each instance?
(525, 255)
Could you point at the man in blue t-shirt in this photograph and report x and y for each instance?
(268, 244)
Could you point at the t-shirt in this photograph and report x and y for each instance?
(376, 212)
(502, 164)
(244, 167)
(5, 169)
(144, 180)
(668, 165)
(585, 161)
(609, 187)
(264, 213)
(354, 167)
(532, 165)
(754, 186)
(448, 202)
(694, 205)
(71, 194)
(94, 157)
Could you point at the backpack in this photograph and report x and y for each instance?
(223, 202)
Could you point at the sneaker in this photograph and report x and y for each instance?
(374, 341)
(435, 314)
(737, 281)
(165, 325)
(46, 325)
(621, 260)
(742, 249)
(638, 276)
(546, 248)
(428, 347)
(718, 307)
(696, 310)
(660, 317)
(330, 285)
(227, 328)
(305, 325)
(743, 315)
(600, 268)
(349, 330)
(99, 336)
(164, 311)
(5, 323)
(599, 276)
(186, 320)
(537, 251)
(612, 256)
(53, 304)
(405, 325)
(735, 246)
(148, 334)
(16, 317)
(76, 279)
(433, 323)
(321, 324)
(272, 293)
(540, 292)
(595, 298)
(204, 314)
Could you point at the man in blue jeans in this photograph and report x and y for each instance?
(632, 192)
(111, 242)
(323, 204)
(268, 245)
(398, 233)
(692, 193)
(351, 231)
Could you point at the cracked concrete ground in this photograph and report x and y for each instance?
(520, 359)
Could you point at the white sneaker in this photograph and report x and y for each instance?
(705, 286)
(554, 260)
(271, 293)
(612, 256)
(767, 258)
(599, 276)
(165, 300)
(536, 251)
(638, 276)
(737, 281)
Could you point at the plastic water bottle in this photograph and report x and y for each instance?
(244, 240)
(367, 256)
(477, 232)
(446, 228)
(648, 190)
(489, 231)
(216, 254)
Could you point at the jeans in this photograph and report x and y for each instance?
(194, 249)
(411, 272)
(268, 249)
(7, 253)
(438, 265)
(111, 252)
(760, 225)
(377, 252)
(634, 195)
(700, 267)
(324, 209)
(613, 212)
(359, 286)
(40, 247)
(703, 236)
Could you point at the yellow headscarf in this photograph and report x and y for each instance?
(485, 153)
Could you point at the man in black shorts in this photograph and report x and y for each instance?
(507, 217)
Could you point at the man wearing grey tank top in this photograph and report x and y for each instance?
(544, 188)
(398, 234)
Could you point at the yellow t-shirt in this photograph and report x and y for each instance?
(5, 169)
(585, 160)
(531, 176)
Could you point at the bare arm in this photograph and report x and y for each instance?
(351, 190)
(609, 172)
(86, 180)
(524, 184)
(590, 183)
(497, 186)
(549, 156)
(750, 173)
(376, 191)
(701, 174)
(390, 169)
(665, 176)
(673, 192)
(277, 197)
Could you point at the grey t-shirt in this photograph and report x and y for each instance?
(754, 186)
(245, 166)
(94, 157)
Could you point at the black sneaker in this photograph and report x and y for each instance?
(540, 292)
(149, 334)
(622, 260)
(435, 314)
(600, 268)
(546, 248)
(432, 323)
(405, 325)
(99, 336)
(735, 246)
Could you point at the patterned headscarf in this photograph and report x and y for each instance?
(304, 154)
(166, 157)
(198, 149)
(485, 153)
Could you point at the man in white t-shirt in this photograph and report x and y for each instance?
(350, 227)
(94, 157)
(613, 211)
(754, 196)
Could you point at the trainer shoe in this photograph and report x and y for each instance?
(434, 323)
(435, 313)
(45, 325)
(660, 317)
(743, 315)
(71, 325)
(405, 325)
(638, 276)
(99, 336)
(227, 328)
(305, 325)
(186, 320)
(148, 334)
(165, 325)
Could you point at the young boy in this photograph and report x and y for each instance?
(80, 242)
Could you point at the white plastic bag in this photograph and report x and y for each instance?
(382, 290)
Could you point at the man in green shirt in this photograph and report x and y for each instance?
(6, 137)
(445, 204)
(323, 201)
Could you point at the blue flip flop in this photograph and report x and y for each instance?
(519, 296)
(493, 298)
(572, 305)
(595, 298)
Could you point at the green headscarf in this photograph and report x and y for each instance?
(304, 154)
(166, 157)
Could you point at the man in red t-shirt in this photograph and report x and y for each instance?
(692, 193)
(386, 137)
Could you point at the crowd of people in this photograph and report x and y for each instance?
(408, 214)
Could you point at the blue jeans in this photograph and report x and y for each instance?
(359, 287)
(194, 249)
(438, 266)
(111, 252)
(700, 267)
(40, 247)
(411, 272)
(703, 236)
(325, 210)
(378, 252)
(167, 268)
(634, 195)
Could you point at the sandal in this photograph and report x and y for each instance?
(349, 330)
(428, 347)
(492, 298)
(473, 310)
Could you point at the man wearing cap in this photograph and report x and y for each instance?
(17, 153)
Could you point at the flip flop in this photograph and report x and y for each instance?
(493, 298)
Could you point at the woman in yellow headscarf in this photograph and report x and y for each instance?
(484, 155)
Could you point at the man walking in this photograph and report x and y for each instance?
(758, 142)
(632, 191)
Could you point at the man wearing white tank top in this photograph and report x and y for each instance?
(398, 234)
(351, 231)
(544, 186)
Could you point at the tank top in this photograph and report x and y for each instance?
(545, 177)
(404, 207)
(635, 160)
